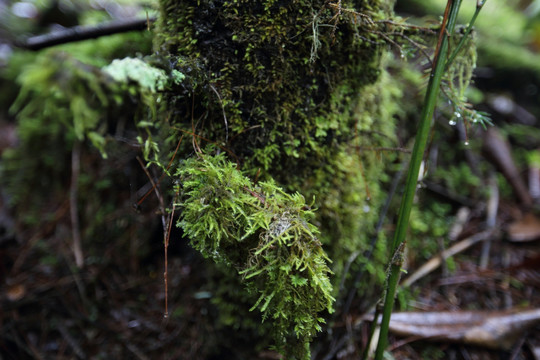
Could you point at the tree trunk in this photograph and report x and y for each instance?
(294, 91)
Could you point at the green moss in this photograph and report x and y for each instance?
(295, 116)
(53, 109)
(296, 94)
(56, 87)
(256, 56)
(64, 97)
(265, 234)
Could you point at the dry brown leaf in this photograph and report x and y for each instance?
(437, 260)
(497, 150)
(15, 292)
(495, 330)
(525, 229)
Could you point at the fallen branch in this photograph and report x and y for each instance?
(436, 261)
(490, 329)
(79, 33)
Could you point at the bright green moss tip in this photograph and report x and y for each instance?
(265, 234)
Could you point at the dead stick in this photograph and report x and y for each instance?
(436, 261)
(73, 207)
(79, 33)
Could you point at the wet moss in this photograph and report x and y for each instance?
(291, 88)
(297, 92)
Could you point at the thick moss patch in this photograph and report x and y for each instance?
(295, 92)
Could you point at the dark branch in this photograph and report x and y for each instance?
(79, 33)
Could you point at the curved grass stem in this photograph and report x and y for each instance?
(465, 36)
(430, 101)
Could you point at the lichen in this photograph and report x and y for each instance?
(146, 76)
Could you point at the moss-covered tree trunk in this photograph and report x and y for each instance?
(293, 91)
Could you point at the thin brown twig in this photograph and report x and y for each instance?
(356, 14)
(166, 223)
(166, 256)
(224, 115)
(335, 18)
(436, 261)
(208, 140)
(162, 175)
(155, 186)
(243, 131)
(194, 142)
(73, 207)
(166, 228)
(442, 33)
(408, 26)
(418, 46)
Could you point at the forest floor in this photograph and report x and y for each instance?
(114, 307)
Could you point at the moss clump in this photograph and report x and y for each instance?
(54, 109)
(283, 73)
(64, 98)
(265, 234)
(294, 91)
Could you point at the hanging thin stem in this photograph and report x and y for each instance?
(452, 57)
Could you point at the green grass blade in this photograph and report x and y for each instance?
(430, 101)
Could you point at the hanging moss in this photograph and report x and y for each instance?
(265, 234)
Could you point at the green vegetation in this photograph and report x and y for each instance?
(297, 96)
(439, 70)
(264, 233)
